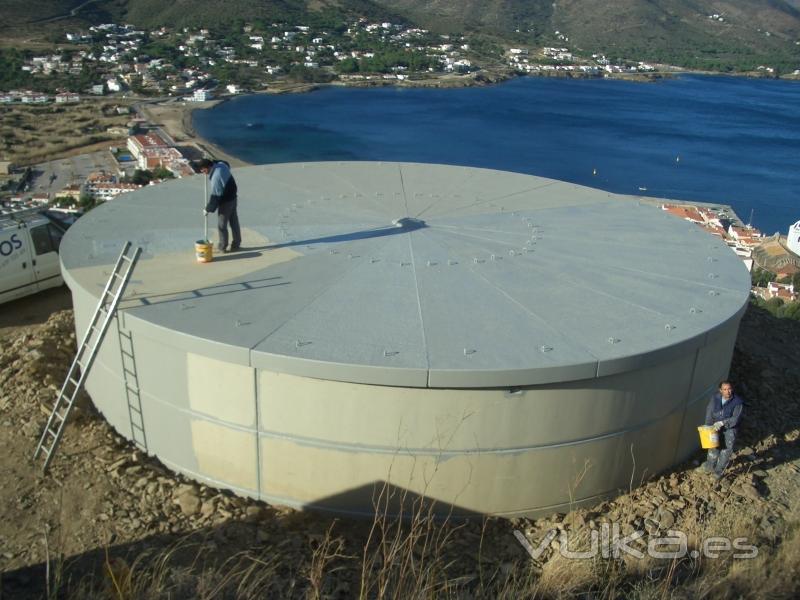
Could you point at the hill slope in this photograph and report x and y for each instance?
(155, 13)
(746, 33)
(680, 31)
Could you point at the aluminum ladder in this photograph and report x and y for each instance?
(87, 351)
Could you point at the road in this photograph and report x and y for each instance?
(52, 176)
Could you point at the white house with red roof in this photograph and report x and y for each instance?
(138, 143)
(746, 236)
(688, 213)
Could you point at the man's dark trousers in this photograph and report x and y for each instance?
(227, 215)
(718, 459)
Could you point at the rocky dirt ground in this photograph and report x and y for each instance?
(110, 522)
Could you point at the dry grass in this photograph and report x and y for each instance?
(410, 551)
(410, 558)
(31, 134)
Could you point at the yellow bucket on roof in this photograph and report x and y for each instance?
(204, 250)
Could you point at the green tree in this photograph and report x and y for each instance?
(162, 173)
(348, 65)
(87, 203)
(139, 177)
(64, 202)
(761, 277)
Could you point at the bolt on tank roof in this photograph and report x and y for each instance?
(415, 275)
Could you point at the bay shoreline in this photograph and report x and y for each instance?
(176, 116)
(179, 121)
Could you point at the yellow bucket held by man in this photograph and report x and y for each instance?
(709, 437)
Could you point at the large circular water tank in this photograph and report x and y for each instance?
(501, 343)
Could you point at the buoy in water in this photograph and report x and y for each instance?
(594, 171)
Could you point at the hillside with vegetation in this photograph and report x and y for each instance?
(717, 35)
(742, 35)
(16, 14)
(154, 13)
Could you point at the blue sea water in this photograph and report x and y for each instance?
(710, 139)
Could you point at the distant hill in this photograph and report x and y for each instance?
(21, 13)
(677, 31)
(682, 32)
(208, 12)
(745, 34)
(155, 13)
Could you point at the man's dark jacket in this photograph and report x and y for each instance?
(729, 413)
(223, 186)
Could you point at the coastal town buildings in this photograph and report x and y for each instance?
(72, 191)
(150, 151)
(715, 222)
(138, 143)
(109, 191)
(122, 58)
(201, 96)
(67, 98)
(746, 236)
(685, 212)
(755, 249)
(784, 291)
(104, 186)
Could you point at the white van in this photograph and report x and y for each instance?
(29, 242)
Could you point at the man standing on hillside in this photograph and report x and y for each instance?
(724, 411)
(222, 198)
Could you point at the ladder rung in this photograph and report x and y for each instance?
(105, 309)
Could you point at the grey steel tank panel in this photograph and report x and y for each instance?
(444, 330)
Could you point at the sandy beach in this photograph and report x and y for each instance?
(175, 118)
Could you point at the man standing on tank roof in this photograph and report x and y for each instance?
(724, 411)
(222, 199)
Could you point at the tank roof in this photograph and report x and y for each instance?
(415, 275)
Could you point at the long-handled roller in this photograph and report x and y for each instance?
(203, 248)
(205, 214)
